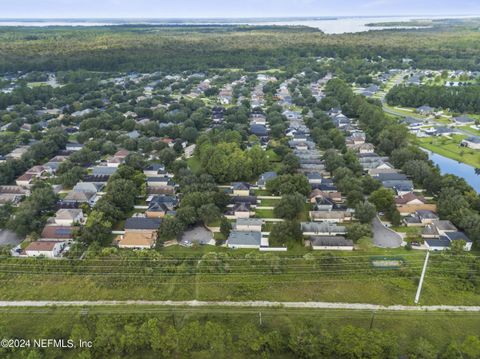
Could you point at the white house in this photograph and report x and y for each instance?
(249, 224)
(331, 243)
(49, 249)
(472, 142)
(68, 216)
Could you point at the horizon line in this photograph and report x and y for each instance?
(239, 18)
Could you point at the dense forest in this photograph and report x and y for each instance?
(170, 48)
(173, 335)
(457, 99)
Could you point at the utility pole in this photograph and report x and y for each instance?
(424, 270)
(371, 320)
(260, 318)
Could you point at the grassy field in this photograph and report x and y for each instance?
(450, 147)
(269, 202)
(219, 274)
(264, 213)
(471, 130)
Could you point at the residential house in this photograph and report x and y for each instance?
(425, 110)
(140, 233)
(444, 242)
(438, 228)
(103, 171)
(240, 188)
(12, 194)
(264, 178)
(472, 142)
(464, 121)
(331, 243)
(250, 200)
(410, 203)
(161, 184)
(239, 210)
(160, 205)
(153, 169)
(48, 249)
(329, 216)
(26, 180)
(317, 193)
(248, 240)
(421, 218)
(314, 178)
(249, 224)
(81, 197)
(259, 130)
(322, 229)
(73, 147)
(92, 187)
(67, 217)
(54, 232)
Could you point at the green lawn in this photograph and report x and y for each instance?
(264, 213)
(269, 202)
(471, 130)
(451, 148)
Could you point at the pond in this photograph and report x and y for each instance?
(447, 165)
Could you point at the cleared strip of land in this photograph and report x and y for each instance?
(255, 304)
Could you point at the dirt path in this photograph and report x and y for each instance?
(254, 304)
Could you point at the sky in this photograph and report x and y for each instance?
(230, 8)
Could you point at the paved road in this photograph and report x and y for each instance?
(8, 238)
(383, 236)
(393, 112)
(252, 304)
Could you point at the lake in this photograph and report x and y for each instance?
(329, 25)
(449, 166)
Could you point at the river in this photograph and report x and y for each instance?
(449, 166)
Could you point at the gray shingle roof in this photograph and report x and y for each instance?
(237, 238)
(143, 223)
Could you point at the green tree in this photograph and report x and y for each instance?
(357, 231)
(383, 199)
(365, 212)
(97, 228)
(290, 206)
(284, 233)
(170, 228)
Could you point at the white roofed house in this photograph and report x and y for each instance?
(67, 216)
(48, 249)
(12, 194)
(472, 142)
(322, 229)
(81, 197)
(331, 243)
(249, 224)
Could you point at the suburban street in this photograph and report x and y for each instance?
(8, 238)
(383, 236)
(255, 304)
(395, 113)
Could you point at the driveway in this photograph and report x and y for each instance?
(198, 234)
(384, 237)
(8, 238)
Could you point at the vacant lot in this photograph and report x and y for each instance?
(244, 275)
